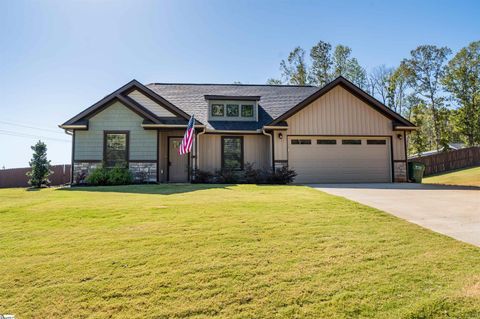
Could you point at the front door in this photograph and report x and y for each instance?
(177, 164)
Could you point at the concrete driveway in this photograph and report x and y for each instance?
(450, 210)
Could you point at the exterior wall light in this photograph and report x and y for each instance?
(399, 136)
(280, 135)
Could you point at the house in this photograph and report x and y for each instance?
(450, 147)
(334, 134)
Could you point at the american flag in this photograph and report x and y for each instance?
(187, 141)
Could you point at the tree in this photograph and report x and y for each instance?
(295, 70)
(419, 141)
(462, 79)
(40, 166)
(341, 57)
(356, 73)
(397, 89)
(426, 67)
(379, 81)
(272, 81)
(322, 63)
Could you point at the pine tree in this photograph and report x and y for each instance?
(40, 166)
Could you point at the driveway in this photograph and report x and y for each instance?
(450, 210)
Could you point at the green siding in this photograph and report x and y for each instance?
(89, 144)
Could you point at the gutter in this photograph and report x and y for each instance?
(169, 126)
(272, 127)
(73, 127)
(406, 128)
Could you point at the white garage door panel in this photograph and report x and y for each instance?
(339, 163)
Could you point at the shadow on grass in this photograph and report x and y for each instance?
(162, 189)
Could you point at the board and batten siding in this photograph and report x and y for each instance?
(256, 150)
(117, 117)
(338, 112)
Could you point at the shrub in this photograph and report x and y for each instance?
(102, 176)
(119, 176)
(227, 176)
(282, 176)
(80, 177)
(202, 177)
(254, 176)
(98, 176)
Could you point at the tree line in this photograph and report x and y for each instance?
(439, 94)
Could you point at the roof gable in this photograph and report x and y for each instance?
(354, 90)
(138, 98)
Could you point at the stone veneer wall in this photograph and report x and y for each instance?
(143, 172)
(82, 169)
(400, 171)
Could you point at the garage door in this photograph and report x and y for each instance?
(340, 159)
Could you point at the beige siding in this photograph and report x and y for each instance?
(398, 146)
(89, 143)
(256, 151)
(339, 112)
(280, 148)
(150, 104)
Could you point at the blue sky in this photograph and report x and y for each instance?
(59, 57)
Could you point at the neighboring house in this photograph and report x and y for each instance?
(451, 147)
(337, 133)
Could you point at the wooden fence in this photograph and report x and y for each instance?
(16, 177)
(450, 160)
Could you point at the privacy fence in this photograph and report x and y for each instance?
(16, 177)
(450, 160)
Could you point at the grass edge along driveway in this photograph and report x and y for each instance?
(201, 251)
(463, 177)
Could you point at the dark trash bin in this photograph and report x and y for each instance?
(415, 171)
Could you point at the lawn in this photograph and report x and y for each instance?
(186, 251)
(466, 177)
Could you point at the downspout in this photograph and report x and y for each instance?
(196, 146)
(270, 139)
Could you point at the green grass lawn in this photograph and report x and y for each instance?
(186, 251)
(466, 177)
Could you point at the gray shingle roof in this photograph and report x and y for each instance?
(274, 100)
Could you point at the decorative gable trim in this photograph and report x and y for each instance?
(121, 95)
(353, 89)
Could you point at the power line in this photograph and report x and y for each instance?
(17, 134)
(32, 127)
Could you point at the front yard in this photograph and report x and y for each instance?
(193, 251)
(465, 177)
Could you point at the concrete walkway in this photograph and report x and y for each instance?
(450, 210)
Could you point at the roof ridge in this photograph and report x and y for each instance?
(232, 84)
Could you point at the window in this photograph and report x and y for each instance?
(247, 110)
(232, 152)
(218, 110)
(376, 142)
(351, 142)
(327, 142)
(301, 141)
(232, 110)
(115, 149)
